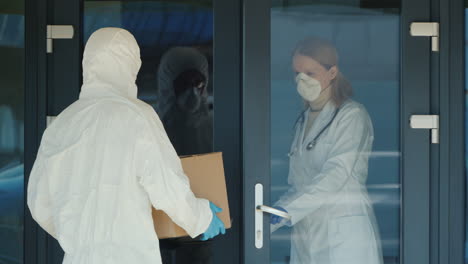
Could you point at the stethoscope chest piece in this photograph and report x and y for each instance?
(311, 145)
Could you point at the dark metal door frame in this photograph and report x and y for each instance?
(256, 121)
(451, 184)
(415, 145)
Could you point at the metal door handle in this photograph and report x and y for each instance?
(273, 211)
(260, 209)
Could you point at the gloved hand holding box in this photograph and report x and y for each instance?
(207, 180)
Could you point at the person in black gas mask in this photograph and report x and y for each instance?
(184, 109)
(183, 100)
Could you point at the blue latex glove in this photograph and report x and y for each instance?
(216, 227)
(274, 219)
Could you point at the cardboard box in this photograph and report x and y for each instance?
(206, 175)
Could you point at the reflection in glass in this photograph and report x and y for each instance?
(338, 173)
(183, 100)
(11, 133)
(176, 43)
(466, 122)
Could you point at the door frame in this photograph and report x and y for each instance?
(35, 238)
(449, 232)
(255, 121)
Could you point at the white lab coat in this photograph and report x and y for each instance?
(332, 216)
(105, 161)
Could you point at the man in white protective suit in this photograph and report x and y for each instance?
(106, 160)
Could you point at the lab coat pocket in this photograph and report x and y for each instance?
(351, 240)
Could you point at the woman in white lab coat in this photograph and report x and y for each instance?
(331, 215)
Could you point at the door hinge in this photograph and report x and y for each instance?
(427, 122)
(426, 29)
(58, 32)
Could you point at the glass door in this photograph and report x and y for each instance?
(183, 47)
(331, 174)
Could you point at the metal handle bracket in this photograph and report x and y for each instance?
(273, 211)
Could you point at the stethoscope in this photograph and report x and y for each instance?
(313, 142)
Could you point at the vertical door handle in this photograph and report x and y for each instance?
(260, 209)
(258, 216)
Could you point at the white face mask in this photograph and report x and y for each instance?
(308, 87)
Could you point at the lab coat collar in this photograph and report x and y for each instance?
(320, 122)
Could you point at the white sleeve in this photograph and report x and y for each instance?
(352, 141)
(38, 198)
(161, 175)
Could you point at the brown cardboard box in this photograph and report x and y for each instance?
(206, 175)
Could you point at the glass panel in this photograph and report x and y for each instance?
(175, 37)
(466, 118)
(176, 43)
(335, 158)
(11, 131)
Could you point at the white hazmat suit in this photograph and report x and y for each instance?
(331, 213)
(105, 161)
